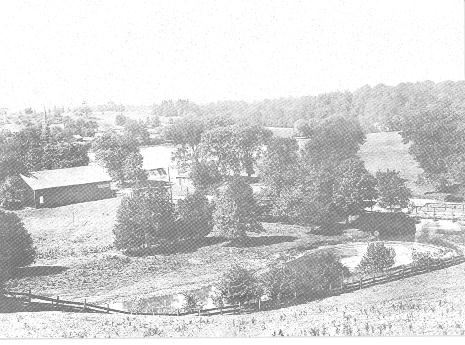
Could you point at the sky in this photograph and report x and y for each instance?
(141, 52)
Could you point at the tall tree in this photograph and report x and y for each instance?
(335, 139)
(112, 150)
(236, 211)
(392, 191)
(145, 219)
(354, 189)
(280, 166)
(234, 149)
(186, 135)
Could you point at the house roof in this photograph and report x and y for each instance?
(66, 177)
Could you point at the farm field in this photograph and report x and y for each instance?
(429, 304)
(77, 261)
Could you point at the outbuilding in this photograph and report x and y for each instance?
(58, 187)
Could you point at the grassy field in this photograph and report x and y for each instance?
(429, 304)
(386, 150)
(77, 260)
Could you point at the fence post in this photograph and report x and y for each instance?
(199, 312)
(259, 304)
(108, 308)
(177, 311)
(58, 302)
(361, 282)
(85, 304)
(29, 296)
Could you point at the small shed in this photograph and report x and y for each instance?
(59, 187)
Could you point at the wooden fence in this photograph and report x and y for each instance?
(347, 286)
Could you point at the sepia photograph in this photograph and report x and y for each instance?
(232, 168)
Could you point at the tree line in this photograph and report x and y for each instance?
(377, 108)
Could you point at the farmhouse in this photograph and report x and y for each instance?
(58, 187)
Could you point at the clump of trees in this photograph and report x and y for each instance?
(282, 282)
(236, 211)
(149, 218)
(32, 149)
(216, 146)
(377, 258)
(16, 246)
(114, 151)
(145, 219)
(325, 182)
(194, 216)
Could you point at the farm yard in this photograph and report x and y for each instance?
(79, 262)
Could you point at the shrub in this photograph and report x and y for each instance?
(423, 258)
(120, 120)
(144, 219)
(279, 283)
(16, 246)
(195, 216)
(191, 301)
(12, 193)
(377, 258)
(238, 285)
(236, 211)
(316, 272)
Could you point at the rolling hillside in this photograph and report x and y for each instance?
(385, 150)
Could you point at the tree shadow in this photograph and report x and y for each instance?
(259, 241)
(37, 271)
(181, 247)
(335, 229)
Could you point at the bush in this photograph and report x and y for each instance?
(238, 285)
(195, 216)
(191, 301)
(316, 272)
(279, 283)
(377, 258)
(423, 258)
(145, 219)
(12, 193)
(16, 246)
(236, 211)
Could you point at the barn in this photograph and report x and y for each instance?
(58, 187)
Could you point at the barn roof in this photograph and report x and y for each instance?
(66, 177)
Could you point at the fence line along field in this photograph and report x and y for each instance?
(428, 304)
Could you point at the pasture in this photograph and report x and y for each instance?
(385, 150)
